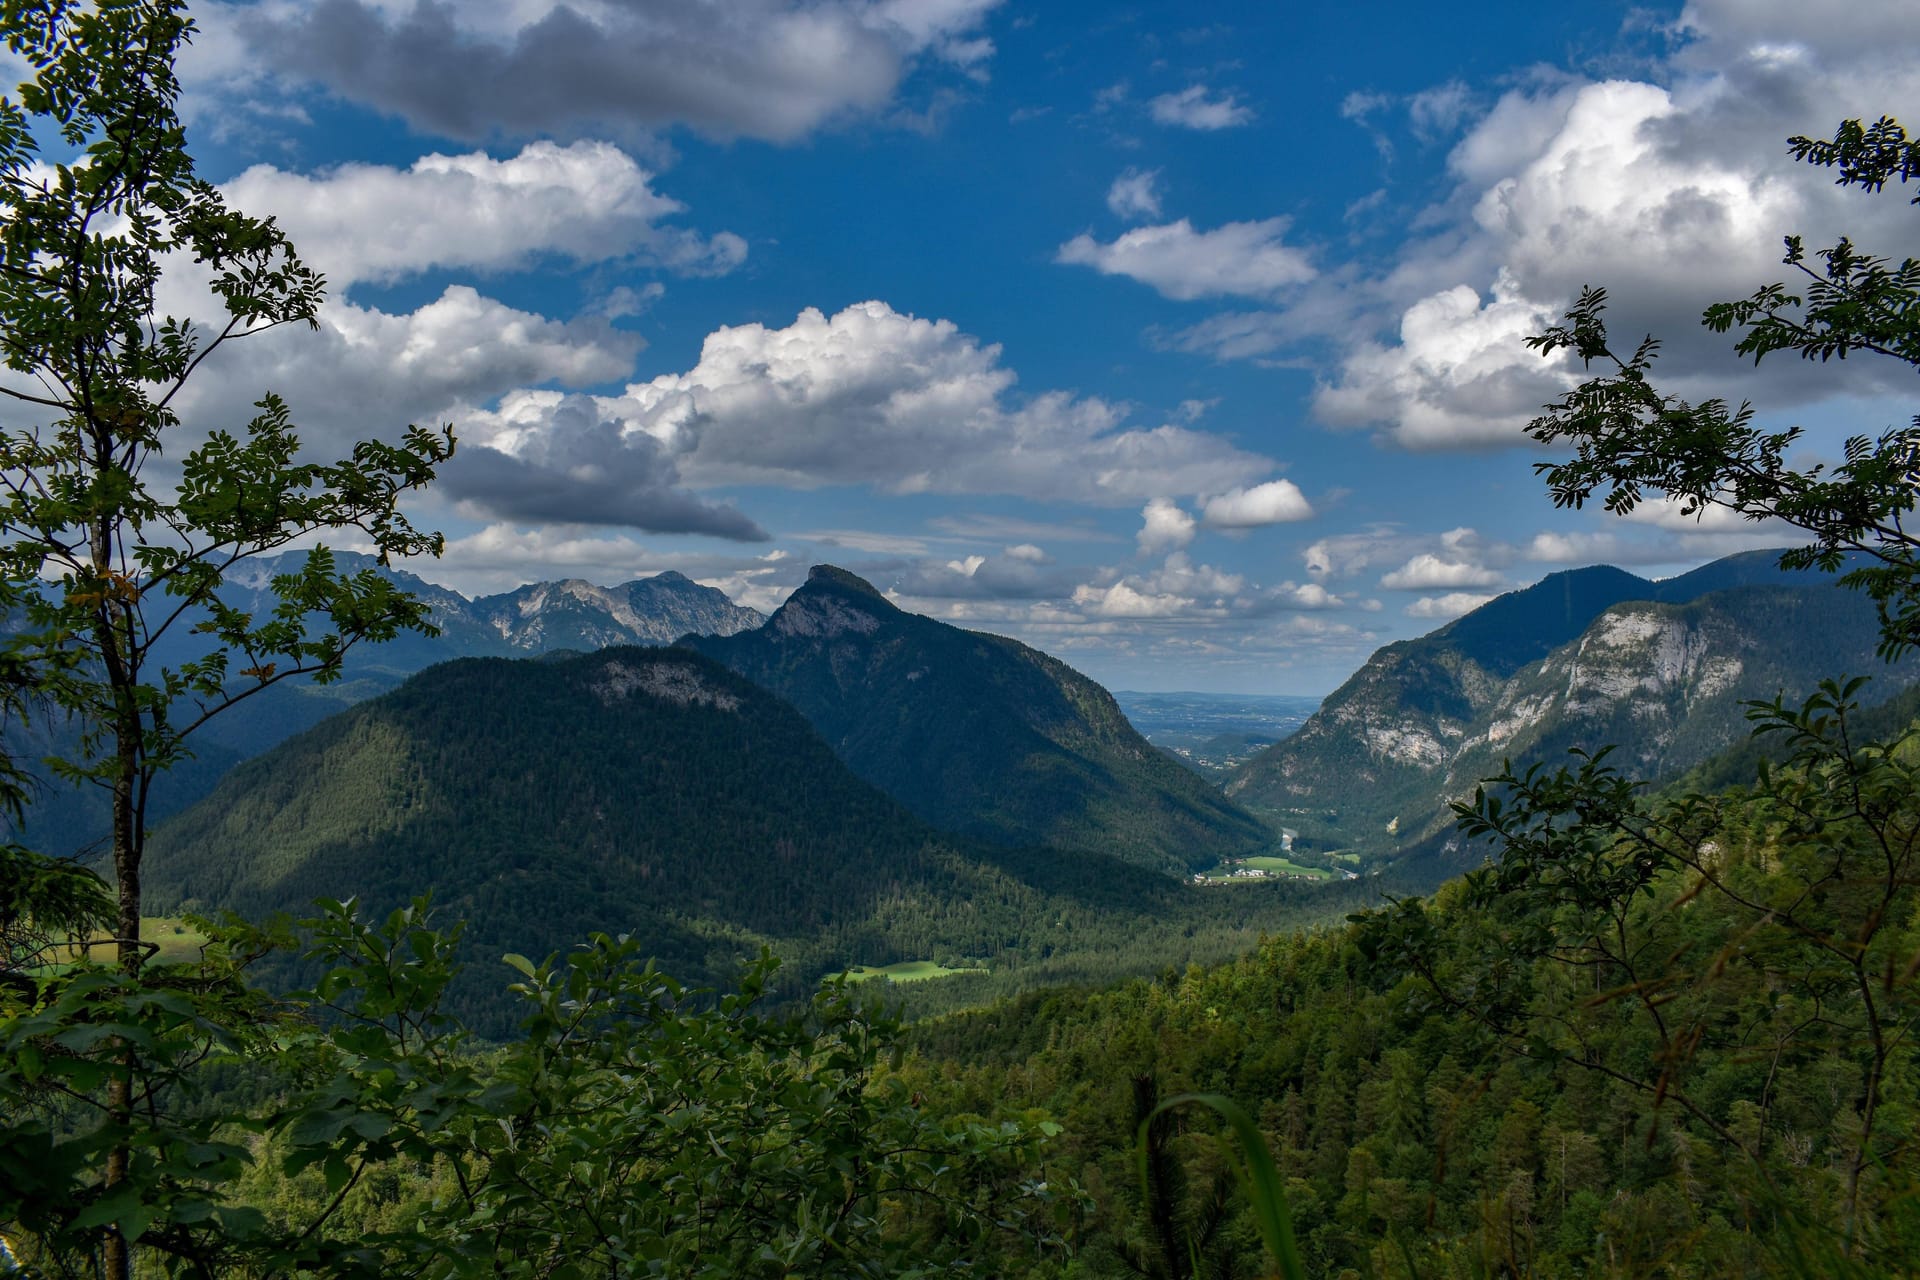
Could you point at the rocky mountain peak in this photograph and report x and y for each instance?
(832, 602)
(576, 614)
(830, 575)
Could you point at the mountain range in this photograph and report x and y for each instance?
(852, 783)
(540, 617)
(1585, 658)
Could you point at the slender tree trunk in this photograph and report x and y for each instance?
(126, 852)
(1863, 1150)
(127, 842)
(126, 868)
(127, 879)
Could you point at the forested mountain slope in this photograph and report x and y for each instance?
(978, 734)
(651, 792)
(1584, 659)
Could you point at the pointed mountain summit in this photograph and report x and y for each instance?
(833, 602)
(978, 734)
(832, 575)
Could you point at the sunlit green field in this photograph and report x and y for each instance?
(178, 942)
(904, 971)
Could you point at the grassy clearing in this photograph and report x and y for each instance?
(905, 971)
(178, 941)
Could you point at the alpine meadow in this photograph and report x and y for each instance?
(912, 638)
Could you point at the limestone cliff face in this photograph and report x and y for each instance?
(1663, 681)
(1372, 751)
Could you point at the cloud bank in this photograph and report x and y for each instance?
(776, 70)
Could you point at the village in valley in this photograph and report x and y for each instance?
(1276, 867)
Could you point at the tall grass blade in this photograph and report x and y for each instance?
(1259, 1177)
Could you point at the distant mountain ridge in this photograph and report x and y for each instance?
(542, 617)
(979, 734)
(1585, 658)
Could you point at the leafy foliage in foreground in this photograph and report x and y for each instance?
(635, 1129)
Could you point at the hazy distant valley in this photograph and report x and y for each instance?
(1213, 732)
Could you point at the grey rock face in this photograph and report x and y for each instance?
(1660, 671)
(572, 614)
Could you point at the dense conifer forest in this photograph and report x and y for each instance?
(1679, 1051)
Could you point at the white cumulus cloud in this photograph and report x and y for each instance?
(1198, 107)
(1451, 605)
(369, 372)
(587, 202)
(1461, 373)
(1133, 194)
(1164, 527)
(1427, 572)
(1673, 192)
(1248, 259)
(1275, 502)
(1672, 514)
(1124, 599)
(877, 397)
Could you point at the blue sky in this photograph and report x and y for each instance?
(1182, 341)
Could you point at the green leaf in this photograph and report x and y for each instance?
(318, 1128)
(112, 1206)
